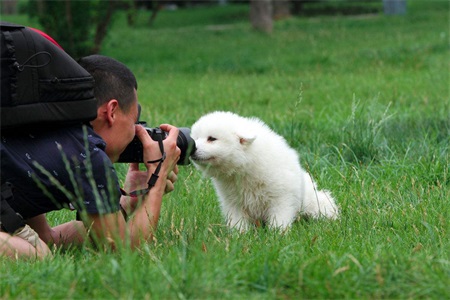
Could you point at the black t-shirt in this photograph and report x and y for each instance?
(52, 169)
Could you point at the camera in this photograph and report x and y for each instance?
(134, 152)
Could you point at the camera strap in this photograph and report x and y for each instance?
(154, 177)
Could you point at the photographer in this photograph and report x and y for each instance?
(80, 159)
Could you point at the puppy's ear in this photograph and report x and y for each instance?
(246, 138)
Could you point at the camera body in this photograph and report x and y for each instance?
(134, 152)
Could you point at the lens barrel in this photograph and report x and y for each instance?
(134, 152)
(186, 145)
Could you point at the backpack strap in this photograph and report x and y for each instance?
(10, 220)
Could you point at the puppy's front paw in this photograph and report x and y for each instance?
(240, 224)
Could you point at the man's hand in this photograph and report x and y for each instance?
(138, 180)
(171, 179)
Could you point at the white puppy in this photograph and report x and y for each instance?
(256, 174)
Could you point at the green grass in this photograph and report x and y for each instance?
(364, 100)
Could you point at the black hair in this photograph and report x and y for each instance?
(113, 80)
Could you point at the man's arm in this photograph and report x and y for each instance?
(109, 228)
(70, 233)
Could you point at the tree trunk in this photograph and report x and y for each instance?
(9, 7)
(261, 15)
(297, 7)
(157, 6)
(69, 22)
(102, 26)
(394, 7)
(131, 12)
(281, 9)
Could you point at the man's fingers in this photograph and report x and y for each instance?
(172, 177)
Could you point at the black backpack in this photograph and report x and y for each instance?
(41, 85)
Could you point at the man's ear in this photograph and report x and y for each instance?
(112, 107)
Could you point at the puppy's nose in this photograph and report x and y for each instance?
(194, 154)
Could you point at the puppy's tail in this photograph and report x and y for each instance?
(321, 204)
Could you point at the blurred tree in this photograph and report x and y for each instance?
(8, 7)
(394, 7)
(281, 9)
(132, 7)
(78, 26)
(261, 15)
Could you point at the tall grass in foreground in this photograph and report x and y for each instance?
(364, 100)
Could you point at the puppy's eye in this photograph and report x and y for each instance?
(211, 139)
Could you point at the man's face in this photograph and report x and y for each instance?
(123, 131)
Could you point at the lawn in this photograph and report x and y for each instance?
(364, 100)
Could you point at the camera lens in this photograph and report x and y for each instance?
(186, 145)
(134, 151)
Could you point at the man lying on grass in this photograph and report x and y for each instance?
(73, 166)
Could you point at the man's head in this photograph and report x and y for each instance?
(117, 106)
(113, 80)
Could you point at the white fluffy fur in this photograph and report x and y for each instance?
(256, 174)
